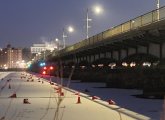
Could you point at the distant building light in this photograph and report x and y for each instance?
(5, 68)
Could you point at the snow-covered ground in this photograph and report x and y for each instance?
(47, 104)
(124, 98)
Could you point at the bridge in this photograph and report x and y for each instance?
(140, 37)
(114, 56)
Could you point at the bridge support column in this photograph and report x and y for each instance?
(108, 54)
(127, 52)
(86, 58)
(94, 58)
(154, 49)
(148, 50)
(160, 46)
(124, 53)
(142, 49)
(116, 55)
(131, 51)
(105, 55)
(89, 59)
(119, 55)
(111, 54)
(99, 55)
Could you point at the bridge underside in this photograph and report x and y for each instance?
(146, 44)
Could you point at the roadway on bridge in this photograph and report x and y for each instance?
(26, 97)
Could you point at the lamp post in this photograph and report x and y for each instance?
(70, 29)
(158, 6)
(87, 24)
(63, 38)
(97, 10)
(57, 43)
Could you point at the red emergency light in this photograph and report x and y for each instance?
(51, 68)
(45, 68)
(44, 72)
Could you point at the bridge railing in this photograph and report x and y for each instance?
(143, 20)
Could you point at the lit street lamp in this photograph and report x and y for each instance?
(97, 10)
(70, 29)
(57, 43)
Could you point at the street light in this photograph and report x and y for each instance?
(158, 6)
(56, 39)
(57, 43)
(70, 29)
(97, 9)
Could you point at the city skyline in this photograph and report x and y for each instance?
(26, 22)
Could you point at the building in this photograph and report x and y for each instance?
(10, 57)
(37, 48)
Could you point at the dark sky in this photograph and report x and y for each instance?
(24, 22)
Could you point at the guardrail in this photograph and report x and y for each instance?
(143, 20)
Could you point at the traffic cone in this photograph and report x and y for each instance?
(111, 102)
(25, 101)
(61, 93)
(95, 97)
(9, 86)
(78, 100)
(52, 83)
(13, 95)
(77, 93)
(59, 90)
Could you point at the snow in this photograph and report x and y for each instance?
(46, 104)
(151, 108)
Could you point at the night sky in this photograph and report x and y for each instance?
(24, 22)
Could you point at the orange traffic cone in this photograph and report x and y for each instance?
(111, 102)
(9, 86)
(95, 97)
(13, 95)
(78, 100)
(25, 101)
(77, 93)
(61, 93)
(59, 90)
